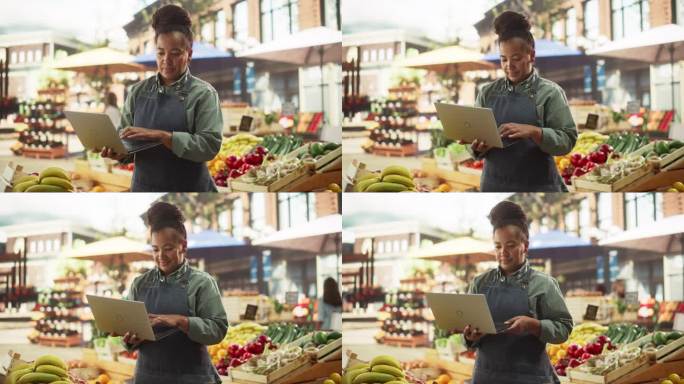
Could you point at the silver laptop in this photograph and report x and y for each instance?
(469, 123)
(455, 311)
(96, 130)
(120, 316)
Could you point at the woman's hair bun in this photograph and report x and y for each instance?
(508, 213)
(510, 21)
(170, 15)
(164, 215)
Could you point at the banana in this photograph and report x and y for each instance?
(399, 180)
(59, 182)
(21, 366)
(386, 187)
(389, 382)
(61, 382)
(51, 360)
(23, 186)
(363, 184)
(38, 377)
(27, 178)
(385, 360)
(14, 376)
(55, 172)
(373, 377)
(45, 188)
(358, 366)
(354, 373)
(52, 369)
(388, 369)
(396, 170)
(368, 176)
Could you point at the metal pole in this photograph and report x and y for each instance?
(672, 81)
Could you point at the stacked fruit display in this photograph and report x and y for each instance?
(576, 346)
(235, 166)
(394, 178)
(238, 146)
(237, 355)
(676, 187)
(673, 378)
(662, 148)
(238, 335)
(52, 179)
(286, 333)
(625, 333)
(320, 339)
(281, 145)
(334, 378)
(318, 149)
(46, 369)
(579, 164)
(382, 369)
(577, 355)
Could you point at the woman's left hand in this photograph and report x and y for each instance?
(521, 131)
(174, 321)
(523, 324)
(146, 134)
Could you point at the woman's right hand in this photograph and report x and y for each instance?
(479, 147)
(472, 334)
(131, 338)
(110, 154)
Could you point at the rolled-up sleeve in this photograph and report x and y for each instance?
(556, 322)
(559, 132)
(209, 324)
(204, 141)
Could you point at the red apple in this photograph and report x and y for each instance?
(574, 363)
(586, 356)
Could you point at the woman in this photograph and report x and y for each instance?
(175, 109)
(533, 116)
(526, 304)
(112, 109)
(330, 305)
(184, 304)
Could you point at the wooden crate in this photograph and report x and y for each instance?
(410, 342)
(51, 153)
(577, 376)
(317, 372)
(404, 150)
(238, 185)
(580, 184)
(64, 342)
(665, 161)
(329, 349)
(323, 161)
(278, 376)
(115, 370)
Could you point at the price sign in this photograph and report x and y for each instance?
(250, 312)
(591, 312)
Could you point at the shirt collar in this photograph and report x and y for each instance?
(525, 84)
(175, 275)
(517, 275)
(176, 85)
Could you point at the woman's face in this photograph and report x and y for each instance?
(168, 249)
(511, 247)
(173, 55)
(517, 58)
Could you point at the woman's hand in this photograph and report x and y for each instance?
(131, 338)
(174, 321)
(479, 147)
(110, 154)
(520, 131)
(146, 134)
(472, 334)
(523, 324)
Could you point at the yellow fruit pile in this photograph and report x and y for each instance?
(46, 369)
(586, 142)
(334, 378)
(394, 178)
(238, 145)
(52, 179)
(581, 335)
(240, 334)
(382, 369)
(673, 378)
(676, 187)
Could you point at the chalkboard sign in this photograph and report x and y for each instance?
(591, 312)
(592, 121)
(631, 298)
(292, 298)
(633, 107)
(250, 312)
(245, 123)
(288, 109)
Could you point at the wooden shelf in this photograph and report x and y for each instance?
(403, 151)
(52, 153)
(69, 341)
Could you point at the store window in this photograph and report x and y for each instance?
(381, 54)
(404, 245)
(41, 246)
(571, 224)
(585, 218)
(208, 29)
(278, 18)
(365, 56)
(32, 247)
(293, 209)
(381, 247)
(390, 54)
(240, 21)
(56, 244)
(629, 17)
(29, 57)
(591, 19)
(571, 27)
(558, 28)
(374, 55)
(22, 57)
(331, 13)
(674, 277)
(237, 218)
(396, 246)
(220, 27)
(257, 211)
(605, 211)
(13, 56)
(642, 209)
(48, 246)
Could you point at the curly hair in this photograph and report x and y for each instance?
(172, 18)
(164, 215)
(509, 213)
(510, 25)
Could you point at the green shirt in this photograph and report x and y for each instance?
(559, 132)
(207, 323)
(202, 112)
(544, 297)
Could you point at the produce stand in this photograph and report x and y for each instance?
(115, 370)
(459, 180)
(113, 182)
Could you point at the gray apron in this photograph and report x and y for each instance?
(174, 358)
(506, 358)
(158, 169)
(520, 166)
